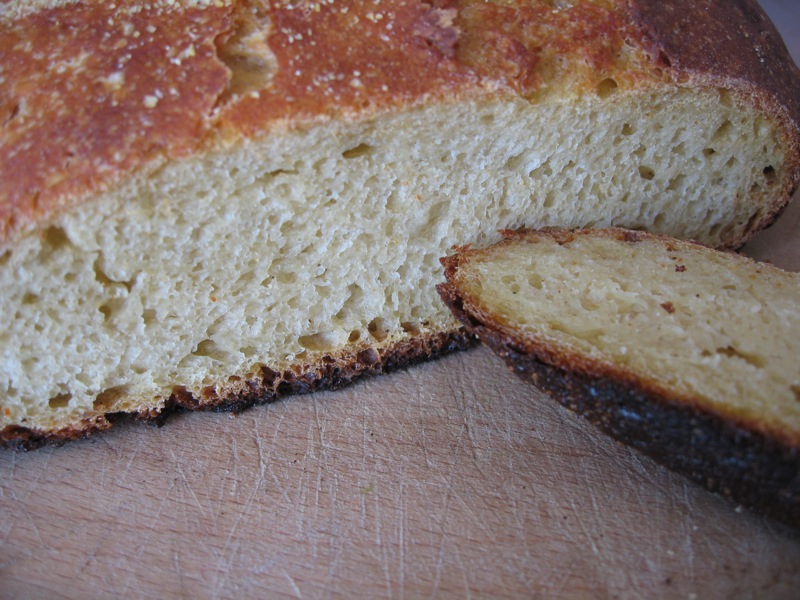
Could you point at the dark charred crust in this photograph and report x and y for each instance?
(268, 385)
(23, 438)
(750, 468)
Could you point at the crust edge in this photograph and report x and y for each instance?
(263, 387)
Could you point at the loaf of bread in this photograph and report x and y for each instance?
(212, 203)
(686, 353)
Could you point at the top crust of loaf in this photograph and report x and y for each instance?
(95, 92)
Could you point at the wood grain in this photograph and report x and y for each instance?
(450, 479)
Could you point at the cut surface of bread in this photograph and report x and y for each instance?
(687, 353)
(210, 204)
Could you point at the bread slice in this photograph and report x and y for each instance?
(208, 204)
(688, 354)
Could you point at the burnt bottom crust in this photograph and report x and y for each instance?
(753, 470)
(267, 385)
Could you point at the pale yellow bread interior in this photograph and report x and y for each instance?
(325, 238)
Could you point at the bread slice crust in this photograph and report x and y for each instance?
(329, 372)
(754, 465)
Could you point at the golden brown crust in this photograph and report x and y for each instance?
(754, 465)
(268, 385)
(93, 92)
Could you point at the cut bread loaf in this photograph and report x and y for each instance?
(210, 204)
(681, 351)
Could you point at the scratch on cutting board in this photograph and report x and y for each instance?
(564, 579)
(384, 548)
(443, 538)
(464, 578)
(265, 466)
(232, 541)
(401, 525)
(182, 473)
(148, 531)
(176, 557)
(292, 583)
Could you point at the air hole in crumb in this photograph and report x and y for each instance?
(53, 239)
(109, 308)
(286, 277)
(393, 203)
(647, 173)
(209, 349)
(769, 174)
(318, 342)
(627, 129)
(606, 87)
(105, 280)
(411, 327)
(709, 152)
(106, 311)
(675, 183)
(30, 298)
(360, 150)
(277, 172)
(59, 400)
(732, 352)
(796, 391)
(514, 162)
(535, 281)
(543, 170)
(106, 399)
(722, 130)
(379, 329)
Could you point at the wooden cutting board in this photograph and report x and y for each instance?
(452, 478)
